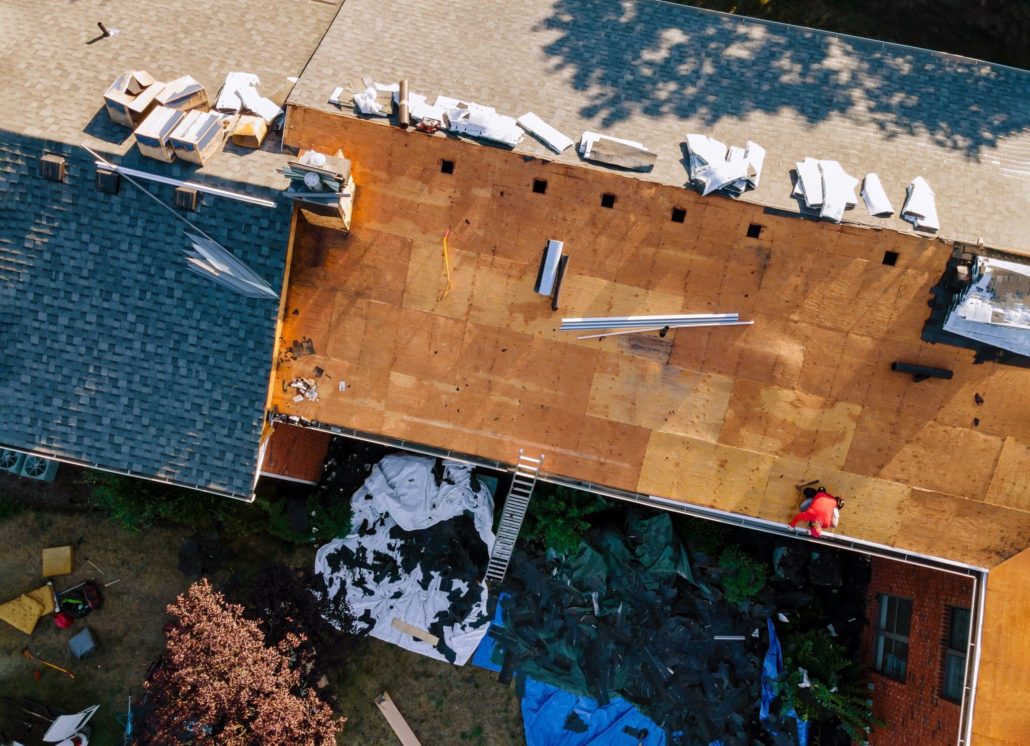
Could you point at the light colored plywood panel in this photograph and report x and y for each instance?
(946, 459)
(823, 350)
(430, 345)
(659, 397)
(426, 287)
(789, 423)
(502, 293)
(1004, 679)
(703, 473)
(1010, 484)
(770, 351)
(359, 406)
(1006, 405)
(363, 331)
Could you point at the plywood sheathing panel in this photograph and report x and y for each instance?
(1010, 485)
(1002, 717)
(731, 418)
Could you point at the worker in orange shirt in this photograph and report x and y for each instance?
(820, 509)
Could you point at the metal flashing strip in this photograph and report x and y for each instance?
(128, 473)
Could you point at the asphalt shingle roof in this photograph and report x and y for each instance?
(655, 71)
(115, 354)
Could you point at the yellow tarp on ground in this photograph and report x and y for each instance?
(23, 612)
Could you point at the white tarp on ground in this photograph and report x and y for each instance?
(402, 491)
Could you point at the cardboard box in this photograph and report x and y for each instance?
(57, 561)
(198, 136)
(131, 96)
(250, 131)
(183, 94)
(153, 135)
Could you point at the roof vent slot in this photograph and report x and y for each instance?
(108, 181)
(186, 198)
(52, 167)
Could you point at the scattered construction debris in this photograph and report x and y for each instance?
(875, 197)
(57, 561)
(374, 99)
(25, 611)
(210, 259)
(393, 716)
(307, 389)
(825, 186)
(614, 151)
(545, 279)
(26, 653)
(153, 136)
(418, 553)
(714, 167)
(183, 94)
(198, 136)
(479, 121)
(920, 207)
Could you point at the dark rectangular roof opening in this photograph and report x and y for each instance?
(678, 214)
(539, 186)
(754, 230)
(607, 200)
(446, 167)
(890, 258)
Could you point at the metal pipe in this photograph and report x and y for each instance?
(403, 112)
(659, 328)
(648, 319)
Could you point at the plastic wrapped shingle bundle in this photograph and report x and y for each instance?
(825, 186)
(714, 167)
(920, 206)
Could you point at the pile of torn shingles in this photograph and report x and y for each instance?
(625, 617)
(713, 167)
(628, 616)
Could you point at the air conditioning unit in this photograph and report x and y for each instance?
(11, 461)
(52, 167)
(37, 467)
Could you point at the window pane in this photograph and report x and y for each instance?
(884, 608)
(901, 656)
(904, 617)
(958, 639)
(954, 675)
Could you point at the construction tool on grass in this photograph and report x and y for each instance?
(25, 652)
(393, 716)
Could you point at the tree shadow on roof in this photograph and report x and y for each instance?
(661, 60)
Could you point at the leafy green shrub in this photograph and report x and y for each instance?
(742, 577)
(699, 535)
(137, 504)
(835, 688)
(556, 516)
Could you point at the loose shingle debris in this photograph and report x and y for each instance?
(875, 197)
(614, 151)
(374, 99)
(418, 552)
(464, 117)
(306, 388)
(714, 167)
(826, 187)
(920, 206)
(624, 616)
(551, 137)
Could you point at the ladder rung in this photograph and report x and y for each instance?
(529, 459)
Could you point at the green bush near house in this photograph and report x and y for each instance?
(137, 504)
(742, 577)
(557, 516)
(834, 688)
(9, 507)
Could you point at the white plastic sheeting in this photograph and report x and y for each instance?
(229, 99)
(826, 186)
(480, 121)
(920, 206)
(875, 197)
(402, 491)
(717, 167)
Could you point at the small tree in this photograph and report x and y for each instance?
(219, 682)
(742, 577)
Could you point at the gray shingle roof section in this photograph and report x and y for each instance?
(115, 354)
(653, 72)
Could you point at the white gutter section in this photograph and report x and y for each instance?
(125, 171)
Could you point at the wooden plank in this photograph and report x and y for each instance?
(396, 720)
(419, 634)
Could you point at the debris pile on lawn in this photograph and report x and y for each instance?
(624, 616)
(413, 566)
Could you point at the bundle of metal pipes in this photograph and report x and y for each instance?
(638, 324)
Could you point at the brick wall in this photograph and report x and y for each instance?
(914, 711)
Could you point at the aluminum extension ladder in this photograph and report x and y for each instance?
(514, 512)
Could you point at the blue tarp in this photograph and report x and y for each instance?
(771, 669)
(484, 653)
(545, 710)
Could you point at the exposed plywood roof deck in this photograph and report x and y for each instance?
(729, 418)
